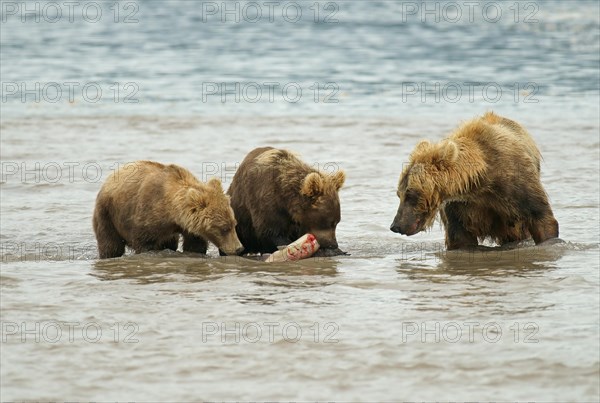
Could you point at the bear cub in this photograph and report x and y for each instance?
(277, 198)
(485, 181)
(146, 206)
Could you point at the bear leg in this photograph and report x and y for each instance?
(280, 241)
(271, 243)
(512, 234)
(244, 228)
(141, 243)
(192, 243)
(457, 236)
(543, 229)
(171, 244)
(541, 224)
(110, 243)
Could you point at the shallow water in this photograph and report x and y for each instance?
(400, 318)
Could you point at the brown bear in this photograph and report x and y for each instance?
(277, 198)
(146, 206)
(485, 181)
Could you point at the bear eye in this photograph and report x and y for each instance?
(411, 197)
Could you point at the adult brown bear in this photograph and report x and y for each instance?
(277, 198)
(146, 206)
(485, 181)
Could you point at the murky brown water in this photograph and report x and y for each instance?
(399, 318)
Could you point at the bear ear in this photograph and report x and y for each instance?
(338, 178)
(215, 183)
(312, 185)
(446, 153)
(420, 148)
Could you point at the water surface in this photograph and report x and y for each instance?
(400, 318)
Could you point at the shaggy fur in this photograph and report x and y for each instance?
(277, 198)
(485, 181)
(146, 206)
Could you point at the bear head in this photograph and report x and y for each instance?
(209, 215)
(320, 210)
(423, 184)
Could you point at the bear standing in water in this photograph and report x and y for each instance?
(485, 181)
(146, 205)
(277, 198)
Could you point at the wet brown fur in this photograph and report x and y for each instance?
(277, 198)
(485, 181)
(147, 205)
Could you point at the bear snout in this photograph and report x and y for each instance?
(395, 228)
(406, 226)
(328, 244)
(234, 252)
(403, 229)
(326, 239)
(231, 245)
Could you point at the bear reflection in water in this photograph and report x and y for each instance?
(485, 181)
